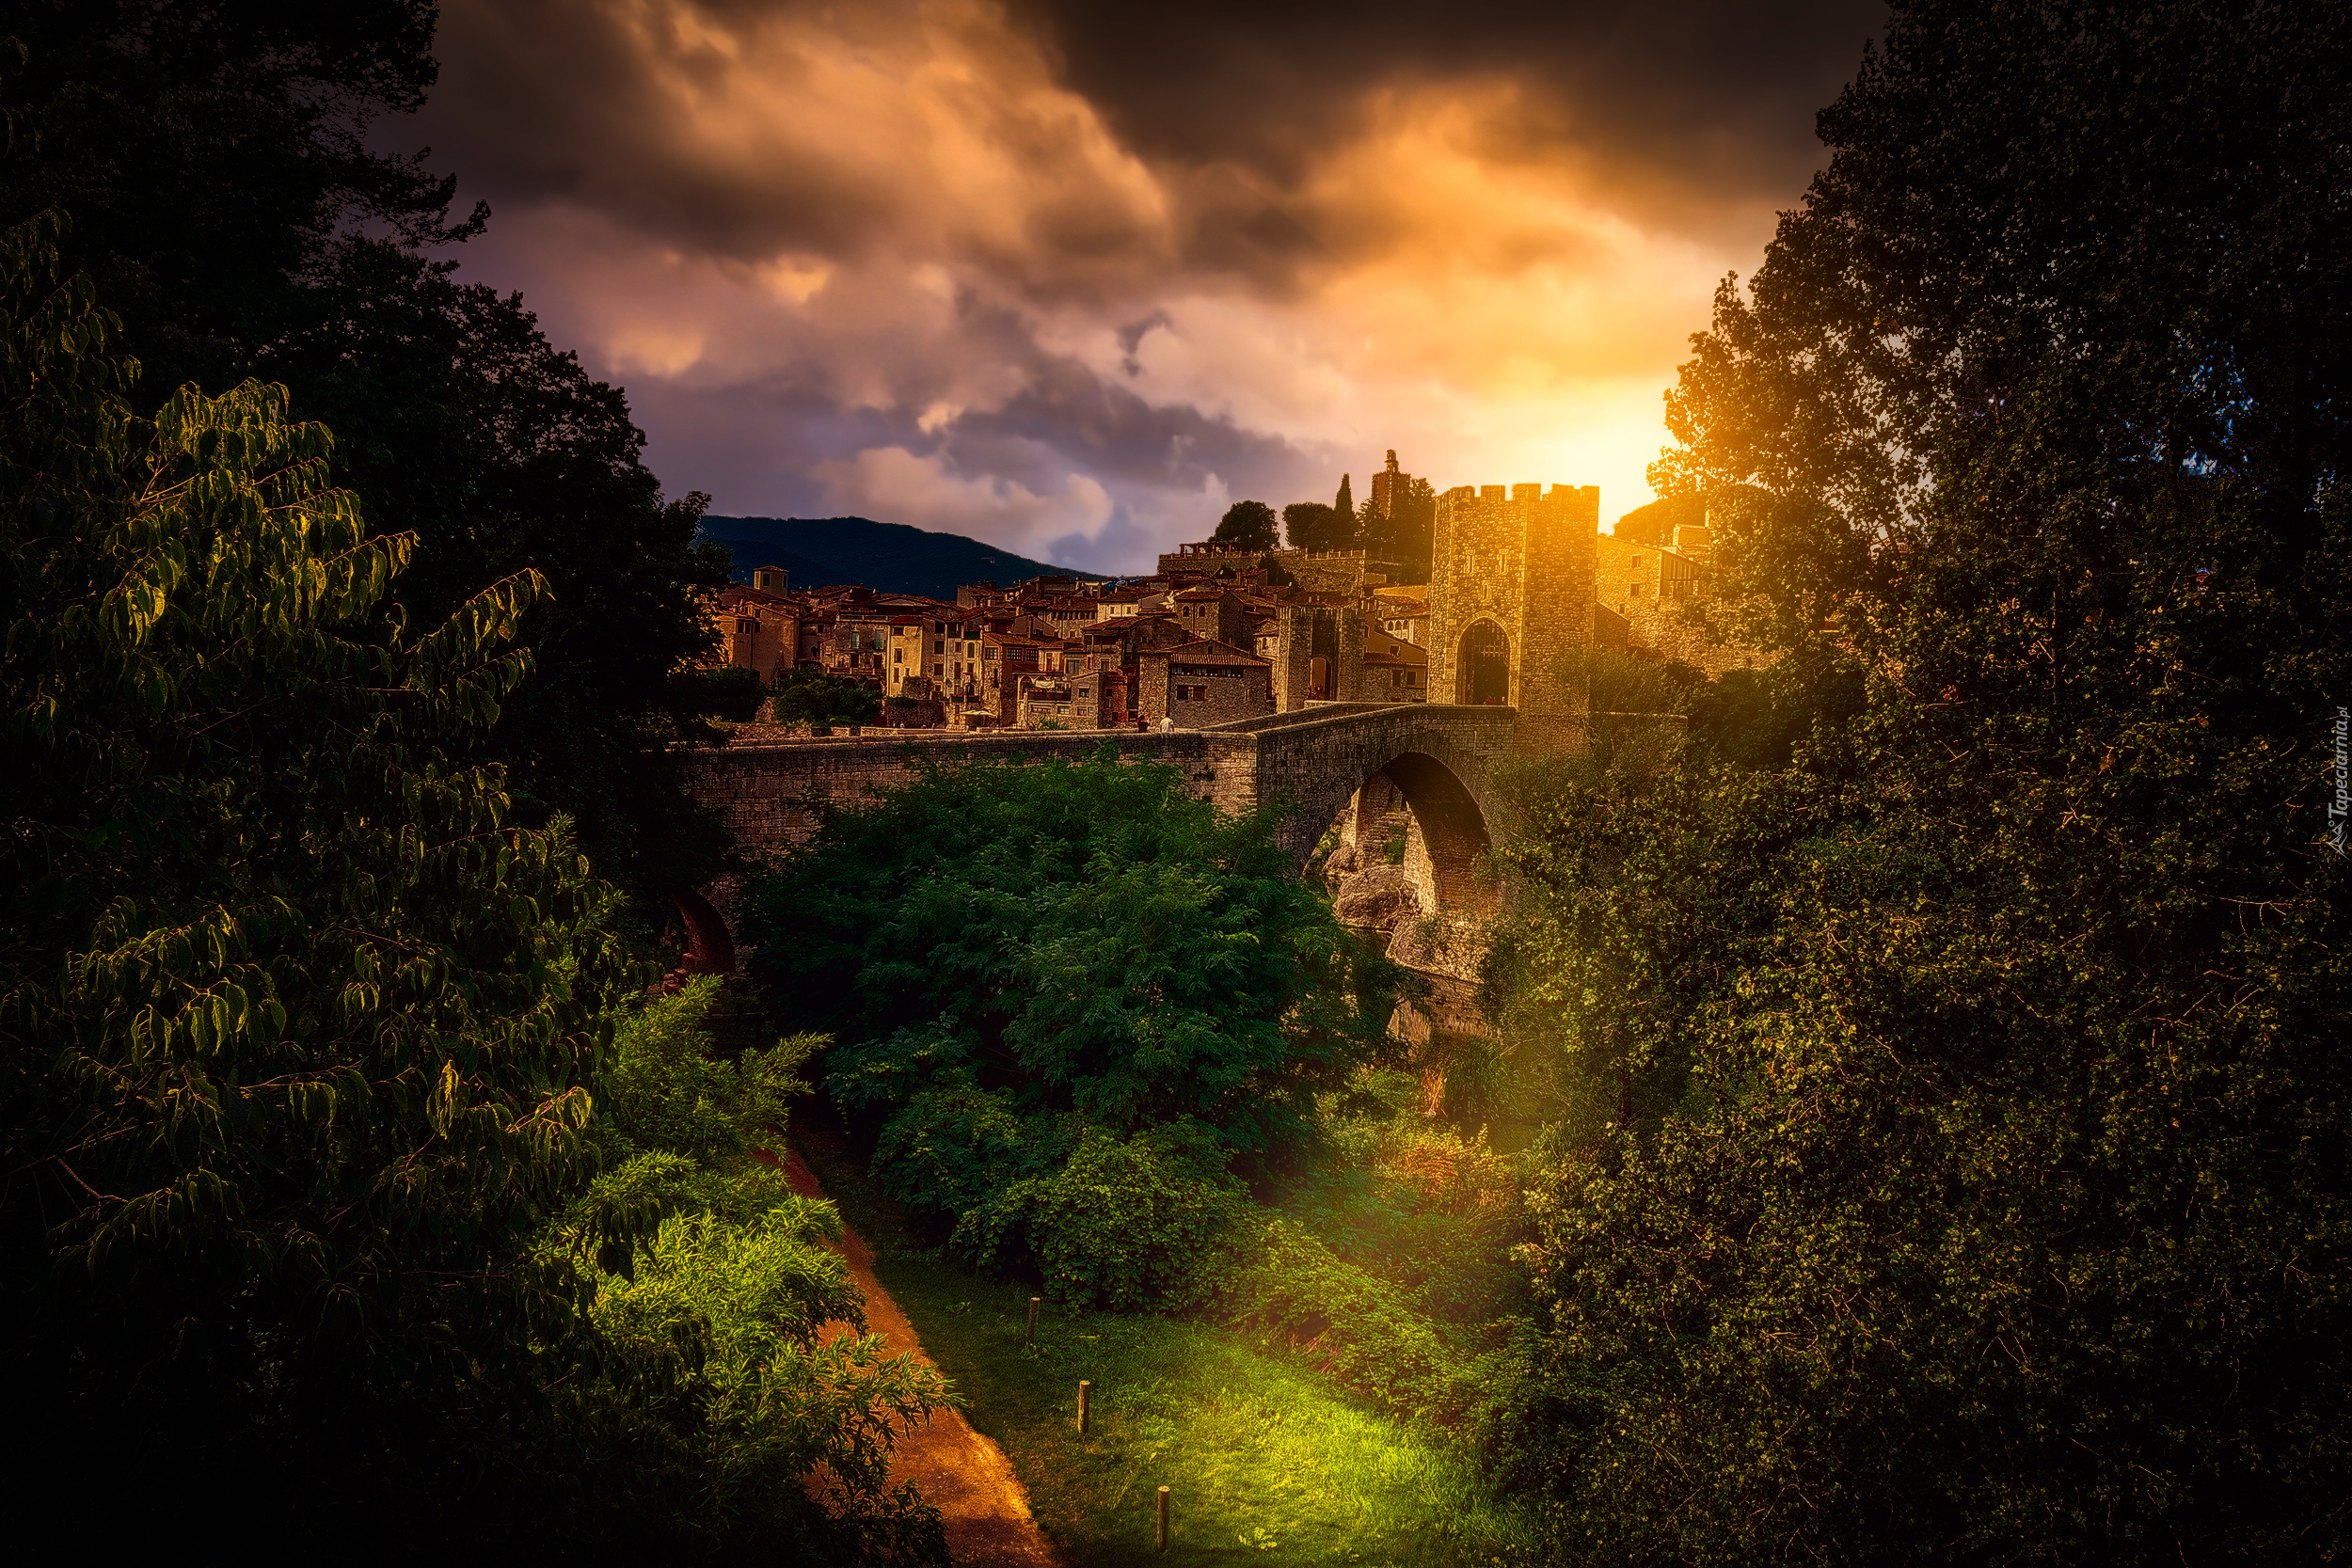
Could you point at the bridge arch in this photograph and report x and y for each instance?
(1436, 759)
(1452, 827)
(1440, 756)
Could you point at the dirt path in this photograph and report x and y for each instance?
(960, 1472)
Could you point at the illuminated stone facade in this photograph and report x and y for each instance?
(1646, 593)
(1510, 600)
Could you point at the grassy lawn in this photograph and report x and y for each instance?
(1261, 1456)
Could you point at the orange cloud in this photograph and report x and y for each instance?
(886, 255)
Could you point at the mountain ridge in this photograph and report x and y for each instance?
(887, 557)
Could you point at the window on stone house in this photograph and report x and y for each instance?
(898, 655)
(937, 646)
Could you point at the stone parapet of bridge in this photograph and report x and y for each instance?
(1441, 756)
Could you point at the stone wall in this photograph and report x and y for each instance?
(1316, 571)
(762, 790)
(1226, 691)
(1651, 590)
(1522, 560)
(1440, 758)
(1294, 649)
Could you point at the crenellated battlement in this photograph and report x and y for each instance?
(1511, 595)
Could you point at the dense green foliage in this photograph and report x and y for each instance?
(1314, 526)
(1953, 1163)
(218, 164)
(729, 692)
(297, 1019)
(302, 1044)
(1389, 1266)
(719, 1399)
(1246, 525)
(818, 699)
(460, 422)
(1028, 965)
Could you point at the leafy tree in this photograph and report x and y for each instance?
(814, 698)
(218, 160)
(729, 692)
(300, 1050)
(1310, 526)
(1022, 959)
(1246, 525)
(736, 1422)
(533, 465)
(209, 153)
(1957, 1167)
(298, 1020)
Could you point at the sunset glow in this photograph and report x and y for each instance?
(926, 261)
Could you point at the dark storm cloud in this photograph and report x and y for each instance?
(1075, 275)
(1690, 105)
(790, 444)
(1683, 109)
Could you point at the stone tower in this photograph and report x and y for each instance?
(1511, 597)
(1387, 487)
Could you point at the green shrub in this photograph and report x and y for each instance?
(718, 1384)
(1356, 1326)
(822, 701)
(717, 1417)
(662, 1089)
(729, 692)
(1129, 1226)
(1013, 955)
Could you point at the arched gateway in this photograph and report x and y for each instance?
(1483, 666)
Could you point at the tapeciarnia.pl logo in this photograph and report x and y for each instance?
(2341, 807)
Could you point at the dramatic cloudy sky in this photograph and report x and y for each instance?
(1071, 277)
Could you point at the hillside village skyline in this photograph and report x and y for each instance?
(1241, 624)
(820, 552)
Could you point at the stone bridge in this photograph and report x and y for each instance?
(1440, 758)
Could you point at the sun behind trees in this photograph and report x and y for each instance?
(1952, 1154)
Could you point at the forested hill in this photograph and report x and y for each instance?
(888, 555)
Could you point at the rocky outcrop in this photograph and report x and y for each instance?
(1380, 897)
(1450, 946)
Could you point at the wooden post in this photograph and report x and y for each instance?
(1033, 1300)
(1083, 1389)
(1163, 1546)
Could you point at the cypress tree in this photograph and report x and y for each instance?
(1345, 534)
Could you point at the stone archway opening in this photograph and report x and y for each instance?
(1405, 875)
(710, 946)
(1451, 829)
(1414, 828)
(1483, 668)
